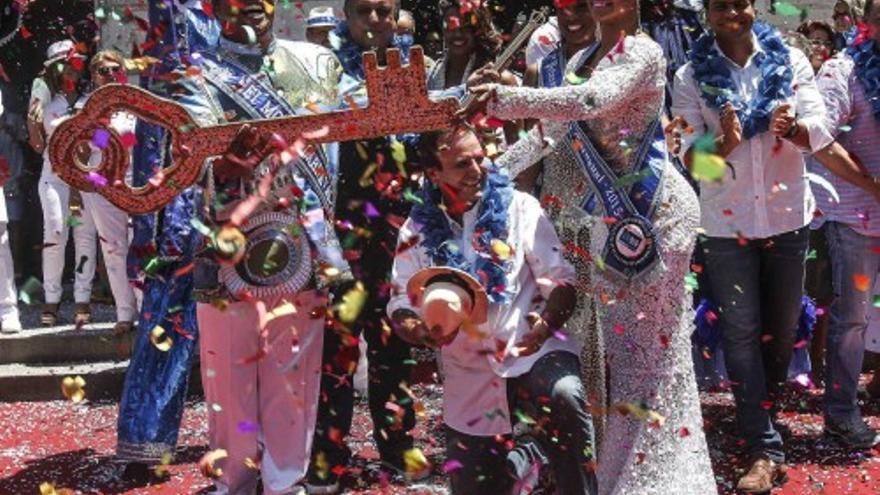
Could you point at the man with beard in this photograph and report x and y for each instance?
(261, 300)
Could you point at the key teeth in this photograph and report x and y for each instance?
(393, 58)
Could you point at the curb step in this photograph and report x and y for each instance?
(66, 344)
(27, 382)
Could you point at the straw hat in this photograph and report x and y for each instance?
(321, 17)
(61, 50)
(447, 297)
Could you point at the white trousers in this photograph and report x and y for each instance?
(112, 226)
(8, 296)
(54, 197)
(262, 389)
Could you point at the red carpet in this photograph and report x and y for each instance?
(70, 446)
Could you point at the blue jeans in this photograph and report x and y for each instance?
(851, 254)
(758, 287)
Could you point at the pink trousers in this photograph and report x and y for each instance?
(261, 370)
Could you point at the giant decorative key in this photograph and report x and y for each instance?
(398, 103)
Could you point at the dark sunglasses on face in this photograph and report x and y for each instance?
(107, 71)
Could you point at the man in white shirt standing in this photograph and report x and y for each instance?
(9, 320)
(520, 359)
(760, 101)
(849, 85)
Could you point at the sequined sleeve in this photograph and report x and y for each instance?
(634, 67)
(531, 148)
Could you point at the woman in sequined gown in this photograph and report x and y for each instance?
(654, 439)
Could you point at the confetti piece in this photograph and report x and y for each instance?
(501, 249)
(824, 184)
(101, 138)
(351, 305)
(414, 460)
(708, 167)
(73, 388)
(160, 340)
(97, 179)
(862, 282)
(451, 465)
(787, 9)
(206, 463)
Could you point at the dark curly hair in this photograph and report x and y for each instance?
(488, 41)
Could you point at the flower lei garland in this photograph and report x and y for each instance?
(437, 237)
(865, 54)
(350, 55)
(716, 84)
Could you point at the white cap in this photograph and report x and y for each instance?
(321, 17)
(61, 50)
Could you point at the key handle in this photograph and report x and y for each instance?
(397, 103)
(92, 125)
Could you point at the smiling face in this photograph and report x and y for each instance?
(461, 167)
(576, 23)
(731, 18)
(106, 69)
(821, 47)
(246, 21)
(371, 23)
(458, 33)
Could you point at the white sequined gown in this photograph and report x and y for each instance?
(647, 324)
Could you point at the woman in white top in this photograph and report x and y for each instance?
(107, 66)
(64, 69)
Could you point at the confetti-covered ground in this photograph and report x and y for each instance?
(70, 446)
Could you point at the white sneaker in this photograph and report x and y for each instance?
(10, 326)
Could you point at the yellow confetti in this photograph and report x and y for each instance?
(414, 460)
(501, 249)
(163, 470)
(269, 7)
(159, 339)
(73, 388)
(708, 167)
(206, 464)
(352, 303)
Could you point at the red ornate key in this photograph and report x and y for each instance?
(398, 103)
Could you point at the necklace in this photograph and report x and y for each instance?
(716, 83)
(439, 241)
(867, 68)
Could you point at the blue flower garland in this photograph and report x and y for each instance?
(437, 237)
(716, 84)
(350, 54)
(867, 67)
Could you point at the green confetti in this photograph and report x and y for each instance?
(29, 290)
(574, 80)
(199, 226)
(398, 152)
(876, 302)
(523, 417)
(73, 221)
(715, 91)
(690, 282)
(630, 179)
(845, 128)
(705, 143)
(811, 254)
(412, 198)
(785, 8)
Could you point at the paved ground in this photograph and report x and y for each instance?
(71, 446)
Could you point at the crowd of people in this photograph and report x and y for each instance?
(640, 161)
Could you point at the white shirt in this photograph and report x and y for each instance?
(848, 106)
(474, 389)
(770, 194)
(544, 40)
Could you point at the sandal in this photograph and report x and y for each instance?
(49, 316)
(82, 314)
(122, 327)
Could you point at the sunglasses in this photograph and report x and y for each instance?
(107, 71)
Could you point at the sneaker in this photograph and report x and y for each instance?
(854, 434)
(316, 485)
(10, 326)
(763, 475)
